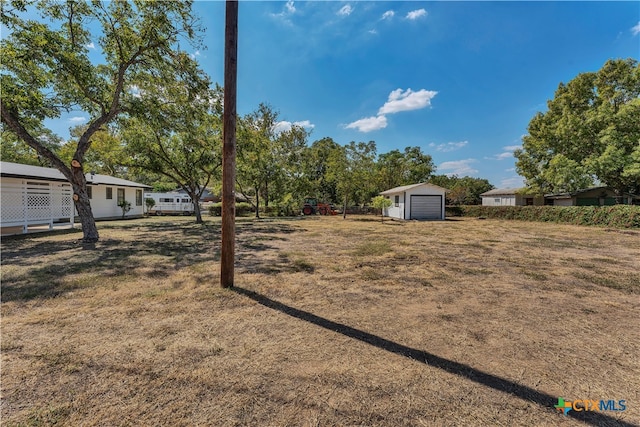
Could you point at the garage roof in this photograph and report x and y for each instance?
(409, 187)
(502, 192)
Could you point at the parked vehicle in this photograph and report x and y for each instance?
(170, 204)
(312, 206)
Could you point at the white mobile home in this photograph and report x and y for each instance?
(417, 201)
(37, 198)
(170, 204)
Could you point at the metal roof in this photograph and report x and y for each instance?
(17, 170)
(568, 194)
(408, 187)
(502, 192)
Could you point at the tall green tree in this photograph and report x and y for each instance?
(107, 154)
(353, 169)
(13, 149)
(46, 69)
(179, 138)
(267, 159)
(590, 133)
(397, 168)
(464, 190)
(315, 179)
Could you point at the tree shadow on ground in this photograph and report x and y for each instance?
(523, 392)
(43, 267)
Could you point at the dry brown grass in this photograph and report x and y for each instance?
(333, 322)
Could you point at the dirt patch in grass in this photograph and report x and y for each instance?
(332, 322)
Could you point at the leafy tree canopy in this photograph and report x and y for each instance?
(46, 69)
(589, 134)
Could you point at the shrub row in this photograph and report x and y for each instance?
(242, 209)
(245, 209)
(618, 216)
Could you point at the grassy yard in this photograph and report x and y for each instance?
(332, 322)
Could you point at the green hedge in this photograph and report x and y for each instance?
(245, 209)
(619, 216)
(242, 209)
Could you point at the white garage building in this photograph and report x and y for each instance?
(417, 201)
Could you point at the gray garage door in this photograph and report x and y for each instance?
(426, 207)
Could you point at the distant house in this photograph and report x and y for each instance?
(37, 198)
(417, 201)
(207, 195)
(510, 197)
(594, 196)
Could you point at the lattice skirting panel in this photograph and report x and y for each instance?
(24, 203)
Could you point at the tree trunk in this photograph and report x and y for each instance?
(257, 202)
(198, 212)
(83, 204)
(83, 207)
(195, 198)
(344, 209)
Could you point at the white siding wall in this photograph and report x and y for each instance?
(396, 211)
(104, 208)
(499, 200)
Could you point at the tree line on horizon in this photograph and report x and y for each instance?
(155, 117)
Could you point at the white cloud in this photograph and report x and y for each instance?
(388, 14)
(505, 155)
(345, 10)
(449, 146)
(90, 46)
(77, 119)
(407, 100)
(305, 124)
(374, 31)
(398, 100)
(458, 167)
(635, 30)
(288, 10)
(369, 124)
(415, 14)
(285, 126)
(289, 7)
(195, 54)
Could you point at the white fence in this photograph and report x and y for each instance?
(29, 205)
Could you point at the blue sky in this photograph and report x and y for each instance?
(459, 79)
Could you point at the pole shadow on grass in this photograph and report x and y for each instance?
(495, 382)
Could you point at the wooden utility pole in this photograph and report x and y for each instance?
(227, 256)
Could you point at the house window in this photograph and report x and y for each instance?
(397, 201)
(109, 193)
(186, 200)
(90, 191)
(496, 200)
(528, 201)
(120, 195)
(166, 200)
(138, 197)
